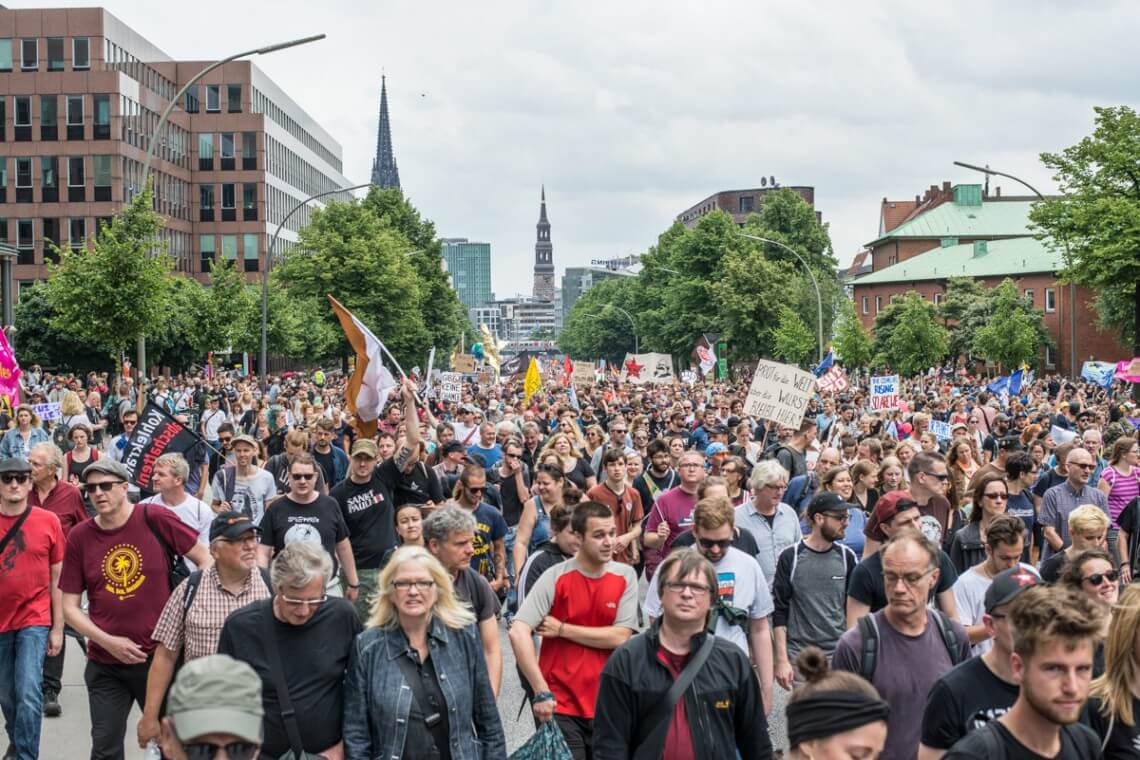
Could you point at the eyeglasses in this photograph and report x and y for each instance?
(15, 477)
(1097, 579)
(680, 587)
(207, 751)
(622, 432)
(910, 579)
(941, 476)
(225, 440)
(709, 543)
(130, 423)
(302, 475)
(106, 486)
(694, 465)
(1082, 465)
(840, 516)
(475, 489)
(304, 602)
(997, 496)
(407, 585)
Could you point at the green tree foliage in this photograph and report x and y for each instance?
(1014, 333)
(1096, 222)
(229, 313)
(965, 309)
(792, 341)
(114, 293)
(38, 341)
(908, 338)
(595, 330)
(750, 295)
(786, 217)
(852, 341)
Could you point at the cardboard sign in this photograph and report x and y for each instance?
(940, 429)
(486, 377)
(583, 373)
(450, 387)
(884, 392)
(47, 412)
(780, 393)
(464, 363)
(688, 376)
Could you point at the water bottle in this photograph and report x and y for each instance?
(152, 751)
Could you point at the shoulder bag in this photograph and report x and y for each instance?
(651, 741)
(288, 714)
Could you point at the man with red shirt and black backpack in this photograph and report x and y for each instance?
(583, 608)
(122, 558)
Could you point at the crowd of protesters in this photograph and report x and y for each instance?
(668, 570)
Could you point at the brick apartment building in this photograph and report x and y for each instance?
(961, 231)
(81, 96)
(739, 203)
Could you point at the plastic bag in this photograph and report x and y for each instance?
(547, 743)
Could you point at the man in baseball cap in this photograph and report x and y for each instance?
(215, 703)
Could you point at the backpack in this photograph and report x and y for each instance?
(1082, 738)
(194, 580)
(60, 436)
(113, 415)
(869, 634)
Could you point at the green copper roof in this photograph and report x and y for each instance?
(1015, 256)
(990, 219)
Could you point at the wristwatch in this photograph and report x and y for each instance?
(544, 696)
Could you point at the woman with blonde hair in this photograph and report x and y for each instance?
(422, 639)
(576, 467)
(71, 410)
(961, 463)
(1114, 697)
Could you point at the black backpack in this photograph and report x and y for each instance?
(1080, 736)
(869, 633)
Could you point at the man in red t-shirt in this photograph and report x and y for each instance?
(118, 558)
(583, 609)
(31, 617)
(624, 501)
(65, 500)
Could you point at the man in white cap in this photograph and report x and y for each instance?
(215, 703)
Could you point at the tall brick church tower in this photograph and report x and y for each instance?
(543, 257)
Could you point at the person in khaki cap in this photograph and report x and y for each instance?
(215, 703)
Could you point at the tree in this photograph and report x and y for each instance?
(852, 341)
(787, 217)
(1096, 220)
(965, 309)
(908, 338)
(112, 294)
(229, 313)
(595, 331)
(749, 295)
(38, 341)
(792, 341)
(1014, 333)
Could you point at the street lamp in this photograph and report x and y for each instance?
(1072, 286)
(632, 325)
(264, 359)
(154, 140)
(811, 276)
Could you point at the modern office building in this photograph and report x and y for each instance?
(577, 280)
(740, 203)
(80, 97)
(469, 264)
(522, 318)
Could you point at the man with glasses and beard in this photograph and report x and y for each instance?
(490, 556)
(810, 588)
(742, 603)
(1060, 500)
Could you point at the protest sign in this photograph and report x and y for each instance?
(688, 376)
(779, 393)
(583, 373)
(464, 363)
(450, 387)
(647, 368)
(940, 429)
(47, 412)
(1060, 435)
(833, 380)
(884, 392)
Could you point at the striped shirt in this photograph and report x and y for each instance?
(1122, 489)
(199, 628)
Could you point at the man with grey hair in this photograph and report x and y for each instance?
(215, 704)
(170, 473)
(488, 449)
(449, 534)
(301, 636)
(773, 524)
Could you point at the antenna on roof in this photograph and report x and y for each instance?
(763, 182)
(772, 181)
(986, 194)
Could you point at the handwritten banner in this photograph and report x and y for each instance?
(450, 387)
(583, 373)
(780, 393)
(884, 392)
(941, 430)
(47, 412)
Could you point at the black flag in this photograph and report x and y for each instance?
(156, 434)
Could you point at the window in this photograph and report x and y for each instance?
(229, 209)
(205, 203)
(1050, 355)
(48, 128)
(101, 167)
(80, 53)
(23, 118)
(227, 150)
(229, 248)
(76, 179)
(102, 106)
(747, 204)
(29, 55)
(1050, 300)
(49, 179)
(6, 54)
(250, 254)
(205, 151)
(866, 304)
(23, 180)
(51, 238)
(213, 98)
(249, 202)
(26, 242)
(3, 179)
(207, 249)
(878, 304)
(3, 118)
(55, 53)
(77, 233)
(249, 150)
(74, 117)
(192, 99)
(937, 298)
(1029, 295)
(233, 98)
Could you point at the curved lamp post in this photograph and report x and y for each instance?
(811, 276)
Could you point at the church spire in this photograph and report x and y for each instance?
(384, 170)
(543, 255)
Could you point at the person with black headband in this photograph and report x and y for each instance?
(837, 715)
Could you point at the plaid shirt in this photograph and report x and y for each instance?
(201, 626)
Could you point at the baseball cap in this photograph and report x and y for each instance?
(365, 446)
(248, 440)
(231, 525)
(1007, 584)
(216, 694)
(15, 464)
(826, 502)
(106, 466)
(715, 448)
(891, 504)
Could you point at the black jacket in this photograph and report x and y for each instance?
(723, 703)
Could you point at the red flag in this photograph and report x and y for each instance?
(568, 367)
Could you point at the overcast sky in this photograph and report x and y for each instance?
(632, 111)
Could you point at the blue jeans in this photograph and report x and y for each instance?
(512, 594)
(21, 692)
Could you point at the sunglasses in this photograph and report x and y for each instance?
(106, 486)
(476, 489)
(207, 751)
(303, 475)
(15, 477)
(1098, 578)
(943, 477)
(225, 440)
(722, 544)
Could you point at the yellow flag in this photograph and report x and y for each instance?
(533, 381)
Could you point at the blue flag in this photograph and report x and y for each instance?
(825, 363)
(999, 386)
(1015, 383)
(1098, 372)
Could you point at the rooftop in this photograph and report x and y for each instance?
(968, 215)
(1013, 256)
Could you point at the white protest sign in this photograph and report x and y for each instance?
(450, 387)
(941, 430)
(884, 392)
(779, 393)
(1060, 435)
(583, 373)
(47, 412)
(688, 376)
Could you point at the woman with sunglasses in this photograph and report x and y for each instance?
(422, 639)
(990, 498)
(735, 474)
(1094, 574)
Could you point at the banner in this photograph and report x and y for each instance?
(834, 380)
(940, 429)
(450, 387)
(780, 393)
(708, 359)
(688, 376)
(1060, 435)
(9, 370)
(371, 383)
(583, 373)
(1128, 370)
(156, 434)
(532, 383)
(1100, 373)
(884, 392)
(647, 368)
(47, 412)
(825, 363)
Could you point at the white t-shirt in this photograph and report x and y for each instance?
(466, 434)
(741, 584)
(194, 513)
(212, 419)
(970, 596)
(250, 494)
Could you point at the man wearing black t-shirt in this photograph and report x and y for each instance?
(365, 503)
(658, 477)
(1054, 636)
(981, 689)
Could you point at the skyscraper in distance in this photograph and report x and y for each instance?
(543, 256)
(384, 170)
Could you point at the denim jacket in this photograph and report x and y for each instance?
(378, 699)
